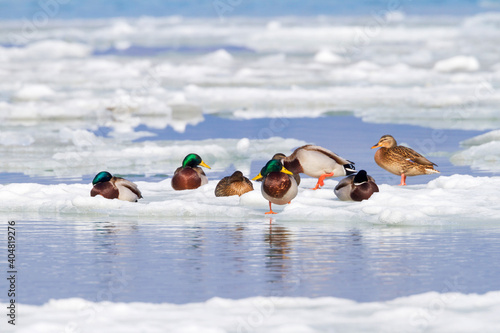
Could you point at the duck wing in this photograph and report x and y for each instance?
(128, 184)
(347, 181)
(330, 154)
(411, 155)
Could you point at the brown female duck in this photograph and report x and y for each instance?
(401, 160)
(236, 184)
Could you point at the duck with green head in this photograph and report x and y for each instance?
(190, 176)
(278, 184)
(107, 186)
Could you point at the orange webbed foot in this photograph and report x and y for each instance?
(321, 179)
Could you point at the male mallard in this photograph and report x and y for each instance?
(189, 176)
(114, 187)
(281, 156)
(401, 160)
(356, 187)
(278, 186)
(317, 162)
(236, 184)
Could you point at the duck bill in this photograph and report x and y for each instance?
(375, 146)
(203, 164)
(259, 176)
(284, 170)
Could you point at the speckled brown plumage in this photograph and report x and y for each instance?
(401, 160)
(236, 184)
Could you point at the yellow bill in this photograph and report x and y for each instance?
(205, 165)
(259, 176)
(284, 170)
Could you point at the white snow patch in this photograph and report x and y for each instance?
(482, 152)
(458, 199)
(449, 312)
(457, 64)
(33, 92)
(326, 56)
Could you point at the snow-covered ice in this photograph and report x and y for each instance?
(429, 312)
(452, 200)
(481, 152)
(429, 71)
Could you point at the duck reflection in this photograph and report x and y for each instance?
(114, 238)
(279, 250)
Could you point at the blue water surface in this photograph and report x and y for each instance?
(13, 9)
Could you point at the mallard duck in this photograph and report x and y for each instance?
(190, 176)
(317, 162)
(356, 187)
(114, 187)
(401, 160)
(281, 156)
(236, 184)
(278, 185)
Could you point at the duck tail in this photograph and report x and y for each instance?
(349, 169)
(431, 171)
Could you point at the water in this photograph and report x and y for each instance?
(90, 9)
(184, 261)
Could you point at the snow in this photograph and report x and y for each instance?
(481, 152)
(457, 64)
(457, 199)
(68, 152)
(327, 57)
(256, 67)
(443, 312)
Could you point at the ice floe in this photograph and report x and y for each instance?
(68, 152)
(451, 312)
(481, 152)
(457, 199)
(430, 71)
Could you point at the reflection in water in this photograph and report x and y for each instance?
(193, 261)
(278, 263)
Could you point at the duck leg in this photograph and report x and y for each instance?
(270, 209)
(403, 180)
(321, 180)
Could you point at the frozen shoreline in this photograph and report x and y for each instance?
(449, 311)
(446, 200)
